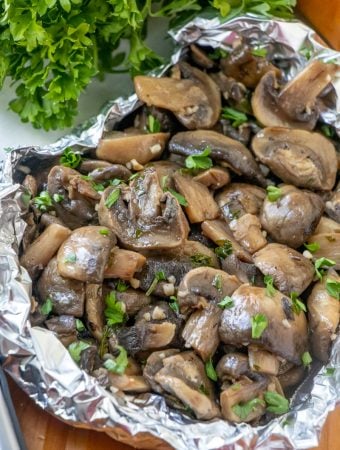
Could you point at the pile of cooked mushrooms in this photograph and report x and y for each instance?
(193, 253)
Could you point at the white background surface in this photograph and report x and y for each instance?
(14, 133)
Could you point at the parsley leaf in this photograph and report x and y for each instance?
(218, 53)
(306, 359)
(333, 288)
(80, 326)
(298, 304)
(217, 282)
(200, 260)
(237, 118)
(312, 247)
(259, 323)
(224, 249)
(328, 131)
(174, 304)
(277, 404)
(119, 364)
(269, 281)
(329, 371)
(258, 51)
(199, 160)
(71, 258)
(70, 159)
(210, 370)
(226, 303)
(114, 311)
(122, 286)
(179, 197)
(153, 125)
(160, 276)
(242, 410)
(43, 201)
(104, 232)
(46, 307)
(112, 198)
(322, 263)
(76, 348)
(273, 193)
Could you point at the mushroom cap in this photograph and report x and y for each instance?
(293, 217)
(289, 342)
(298, 157)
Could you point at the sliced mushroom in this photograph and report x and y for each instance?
(30, 184)
(333, 206)
(201, 324)
(48, 219)
(201, 58)
(89, 359)
(133, 300)
(295, 106)
(298, 157)
(152, 220)
(124, 264)
(183, 376)
(75, 209)
(195, 99)
(42, 250)
(291, 271)
(239, 199)
(223, 149)
(133, 384)
(242, 392)
(327, 225)
(219, 232)
(232, 366)
(245, 67)
(286, 333)
(95, 310)
(213, 178)
(67, 296)
(245, 272)
(65, 328)
(233, 91)
(203, 285)
(85, 254)
(262, 361)
(329, 247)
(121, 147)
(165, 171)
(154, 364)
(247, 231)
(89, 165)
(113, 171)
(324, 316)
(292, 377)
(200, 203)
(293, 217)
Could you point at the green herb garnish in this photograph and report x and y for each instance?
(76, 348)
(329, 371)
(328, 131)
(312, 247)
(174, 304)
(210, 370)
(269, 281)
(119, 364)
(306, 52)
(276, 403)
(242, 410)
(306, 359)
(321, 263)
(79, 325)
(273, 193)
(297, 303)
(98, 187)
(218, 53)
(199, 160)
(104, 231)
(224, 249)
(70, 159)
(71, 258)
(138, 233)
(257, 51)
(112, 198)
(160, 276)
(114, 311)
(217, 282)
(122, 286)
(237, 118)
(200, 260)
(43, 201)
(58, 198)
(226, 303)
(179, 197)
(259, 323)
(153, 125)
(46, 307)
(333, 288)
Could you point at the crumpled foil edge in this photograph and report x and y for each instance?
(41, 365)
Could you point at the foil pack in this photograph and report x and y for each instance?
(42, 366)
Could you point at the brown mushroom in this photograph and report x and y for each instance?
(200, 204)
(328, 247)
(133, 301)
(262, 361)
(327, 225)
(123, 264)
(295, 105)
(223, 149)
(324, 317)
(298, 157)
(154, 364)
(292, 377)
(194, 99)
(94, 308)
(239, 199)
(42, 250)
(213, 178)
(123, 147)
(285, 334)
(232, 366)
(183, 376)
(85, 254)
(248, 233)
(113, 171)
(67, 296)
(30, 184)
(65, 328)
(332, 206)
(233, 91)
(132, 384)
(203, 285)
(293, 217)
(144, 218)
(200, 57)
(200, 255)
(291, 271)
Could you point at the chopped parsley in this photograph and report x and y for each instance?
(243, 409)
(258, 51)
(329, 371)
(217, 282)
(226, 303)
(80, 326)
(297, 303)
(224, 249)
(200, 260)
(122, 286)
(218, 53)
(160, 276)
(269, 281)
(119, 364)
(43, 201)
(259, 323)
(76, 348)
(58, 198)
(306, 359)
(320, 264)
(333, 288)
(71, 258)
(199, 160)
(70, 159)
(179, 197)
(237, 118)
(46, 307)
(153, 125)
(112, 198)
(312, 247)
(276, 403)
(114, 311)
(104, 231)
(273, 193)
(174, 304)
(210, 370)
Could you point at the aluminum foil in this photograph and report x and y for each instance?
(41, 365)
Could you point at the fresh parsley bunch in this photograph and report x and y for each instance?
(51, 49)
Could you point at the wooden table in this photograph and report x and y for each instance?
(43, 432)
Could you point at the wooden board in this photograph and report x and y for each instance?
(44, 432)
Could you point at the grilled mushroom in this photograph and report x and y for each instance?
(291, 271)
(247, 231)
(95, 310)
(123, 264)
(293, 217)
(223, 149)
(65, 328)
(232, 366)
(324, 316)
(154, 364)
(333, 205)
(194, 99)
(295, 106)
(285, 334)
(214, 178)
(298, 157)
(150, 221)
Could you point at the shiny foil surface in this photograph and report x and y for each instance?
(42, 366)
